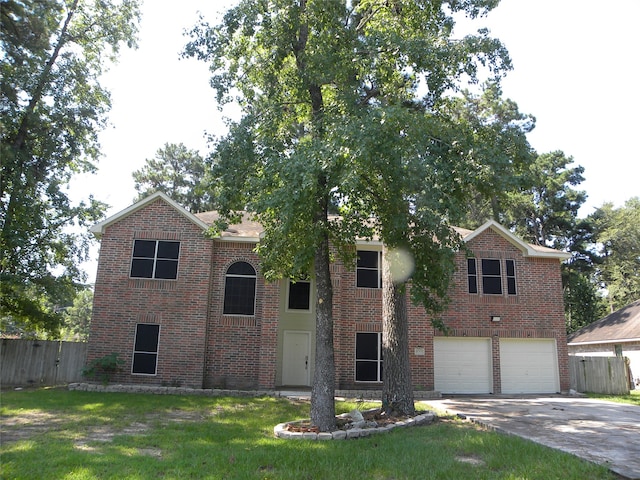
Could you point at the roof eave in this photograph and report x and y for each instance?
(99, 228)
(615, 340)
(526, 249)
(228, 238)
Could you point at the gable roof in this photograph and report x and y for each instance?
(527, 249)
(621, 325)
(249, 230)
(99, 228)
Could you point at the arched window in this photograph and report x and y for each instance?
(240, 289)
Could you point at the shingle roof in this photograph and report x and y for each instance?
(249, 230)
(245, 229)
(623, 324)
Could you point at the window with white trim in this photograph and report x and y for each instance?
(491, 276)
(240, 289)
(145, 350)
(155, 259)
(369, 269)
(299, 295)
(368, 357)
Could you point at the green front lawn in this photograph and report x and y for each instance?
(62, 434)
(633, 398)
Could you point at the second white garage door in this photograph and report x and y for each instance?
(462, 365)
(529, 365)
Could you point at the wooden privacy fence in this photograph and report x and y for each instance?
(606, 375)
(41, 362)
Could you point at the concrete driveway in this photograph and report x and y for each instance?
(602, 432)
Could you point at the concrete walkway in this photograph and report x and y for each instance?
(606, 433)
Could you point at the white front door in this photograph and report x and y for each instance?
(296, 358)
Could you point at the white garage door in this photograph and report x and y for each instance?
(462, 365)
(529, 365)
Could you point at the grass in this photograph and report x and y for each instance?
(632, 399)
(88, 435)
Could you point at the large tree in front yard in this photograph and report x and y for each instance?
(52, 107)
(332, 116)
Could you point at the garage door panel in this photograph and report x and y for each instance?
(529, 366)
(462, 365)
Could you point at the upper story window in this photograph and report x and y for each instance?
(240, 289)
(369, 269)
(491, 274)
(491, 277)
(299, 295)
(155, 259)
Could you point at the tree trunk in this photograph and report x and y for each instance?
(397, 390)
(323, 409)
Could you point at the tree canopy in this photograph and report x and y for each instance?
(52, 106)
(180, 173)
(617, 236)
(340, 106)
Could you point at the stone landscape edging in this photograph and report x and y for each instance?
(281, 431)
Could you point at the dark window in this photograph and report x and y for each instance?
(368, 357)
(299, 295)
(155, 259)
(145, 351)
(240, 289)
(472, 275)
(511, 276)
(491, 277)
(368, 269)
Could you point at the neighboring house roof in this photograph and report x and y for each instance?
(620, 326)
(249, 230)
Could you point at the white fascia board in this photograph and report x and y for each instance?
(526, 249)
(99, 228)
(597, 342)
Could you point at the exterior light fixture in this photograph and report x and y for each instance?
(495, 318)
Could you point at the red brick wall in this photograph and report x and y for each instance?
(234, 342)
(201, 347)
(178, 306)
(535, 312)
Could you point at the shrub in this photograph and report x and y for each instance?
(103, 367)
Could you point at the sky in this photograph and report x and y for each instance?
(574, 70)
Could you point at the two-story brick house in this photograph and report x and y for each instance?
(184, 309)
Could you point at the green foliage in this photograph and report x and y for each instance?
(178, 172)
(103, 368)
(52, 107)
(546, 210)
(617, 235)
(333, 116)
(341, 107)
(77, 317)
(494, 137)
(583, 303)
